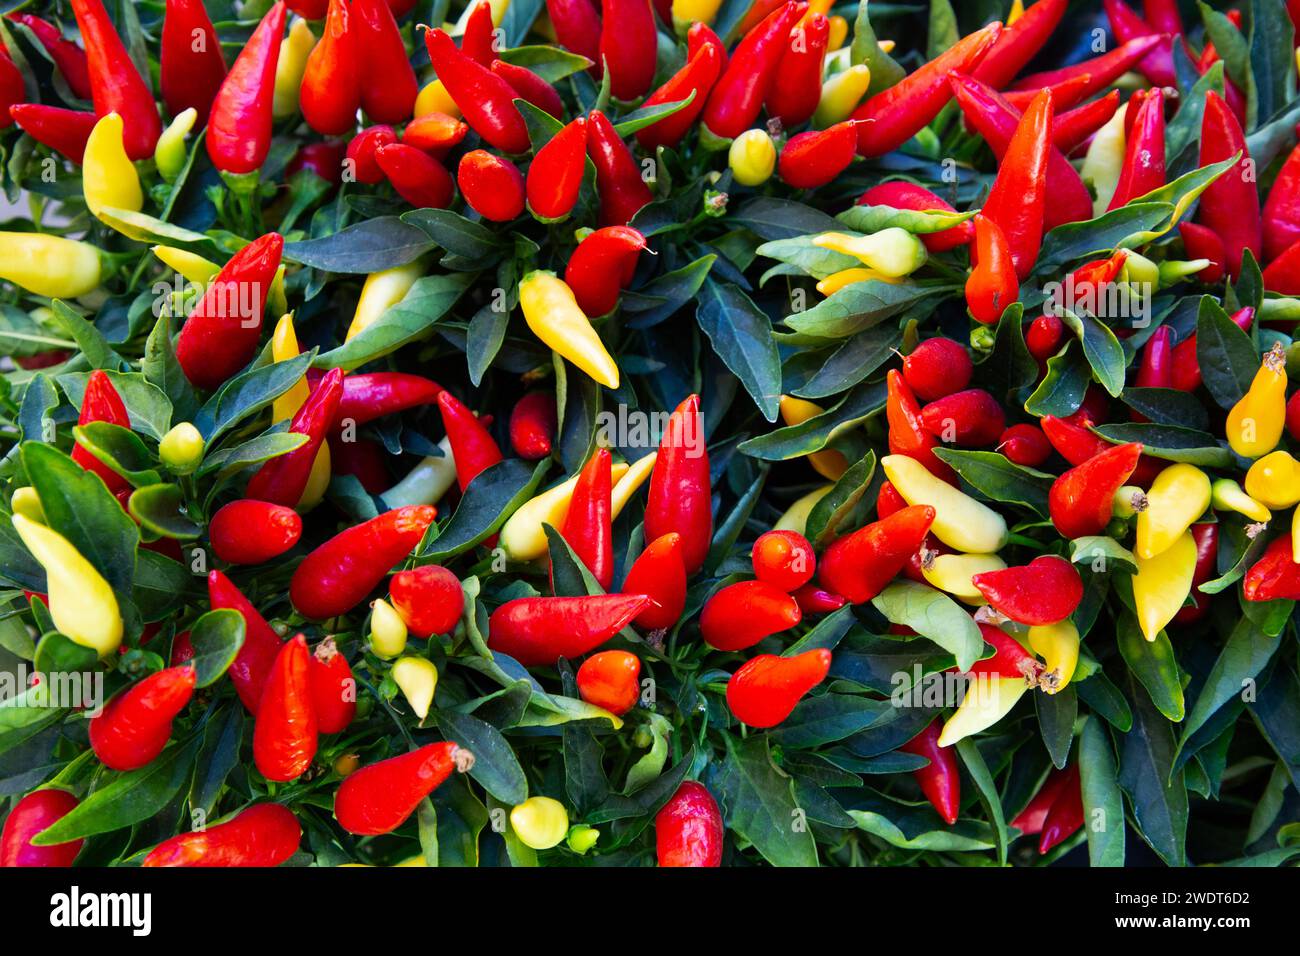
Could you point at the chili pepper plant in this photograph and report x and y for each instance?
(679, 433)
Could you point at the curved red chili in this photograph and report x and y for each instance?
(266, 834)
(64, 131)
(1045, 591)
(939, 780)
(992, 284)
(742, 614)
(680, 497)
(904, 195)
(252, 665)
(535, 631)
(379, 798)
(33, 814)
(484, 99)
(602, 266)
(137, 723)
(472, 446)
(531, 87)
(619, 184)
(239, 126)
(697, 77)
(69, 58)
(737, 97)
(659, 573)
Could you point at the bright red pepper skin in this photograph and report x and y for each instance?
(1018, 197)
(937, 367)
(972, 418)
(387, 82)
(532, 425)
(904, 195)
(338, 575)
(13, 89)
(1044, 336)
(784, 559)
(658, 572)
(38, 811)
(1031, 819)
(531, 87)
(688, 828)
(101, 403)
(367, 396)
(1281, 209)
(116, 84)
(1045, 591)
(609, 679)
(907, 107)
(818, 157)
(1009, 659)
(484, 99)
(1156, 367)
(1020, 42)
(555, 175)
(1283, 273)
(435, 133)
(67, 56)
(418, 178)
(1144, 155)
(477, 40)
(1102, 70)
(1158, 65)
(1071, 129)
(1206, 536)
(333, 689)
(472, 446)
(363, 152)
(1025, 445)
(766, 688)
(993, 283)
(940, 781)
(628, 46)
(190, 76)
(252, 665)
(859, 565)
(602, 266)
(577, 27)
(252, 532)
(1275, 576)
(135, 725)
(680, 488)
(588, 524)
(493, 187)
(619, 184)
(182, 649)
(330, 94)
(794, 99)
(1072, 439)
(428, 598)
(1080, 500)
(737, 97)
(381, 797)
(239, 125)
(285, 732)
(1201, 242)
(742, 614)
(64, 131)
(907, 432)
(816, 600)
(283, 479)
(266, 834)
(1065, 816)
(535, 631)
(220, 336)
(1230, 205)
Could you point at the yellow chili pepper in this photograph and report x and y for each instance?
(1274, 480)
(988, 699)
(1226, 495)
(169, 153)
(522, 536)
(1255, 423)
(1103, 162)
(894, 252)
(540, 822)
(953, 573)
(796, 516)
(828, 463)
(886, 46)
(194, 268)
(687, 12)
(838, 33)
(27, 502)
(497, 7)
(181, 449)
(553, 314)
(290, 67)
(387, 630)
(1058, 645)
(841, 95)
(417, 860)
(1017, 11)
(1141, 272)
(49, 265)
(418, 679)
(833, 283)
(752, 157)
(633, 478)
(1162, 584)
(81, 602)
(434, 98)
(427, 482)
(1178, 496)
(383, 290)
(108, 177)
(960, 521)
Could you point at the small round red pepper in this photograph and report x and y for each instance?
(428, 598)
(493, 187)
(532, 424)
(766, 688)
(1025, 445)
(610, 680)
(784, 559)
(362, 150)
(971, 418)
(937, 367)
(34, 813)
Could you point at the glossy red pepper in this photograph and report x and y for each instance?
(816, 600)
(577, 27)
(13, 89)
(1072, 439)
(1281, 214)
(818, 157)
(1045, 591)
(602, 266)
(330, 94)
(628, 44)
(418, 178)
(252, 665)
(1044, 336)
(1072, 128)
(101, 403)
(370, 395)
(680, 489)
(742, 614)
(737, 97)
(937, 367)
(285, 732)
(1025, 445)
(1009, 659)
(907, 432)
(333, 689)
(338, 575)
(429, 599)
(1101, 70)
(1202, 242)
(221, 334)
(33, 814)
(252, 532)
(1158, 65)
(64, 131)
(182, 649)
(387, 82)
(794, 99)
(1283, 274)
(69, 59)
(472, 446)
(610, 680)
(1019, 195)
(191, 64)
(1186, 367)
(136, 724)
(904, 195)
(1275, 576)
(1143, 170)
(972, 418)
(532, 425)
(859, 565)
(1065, 816)
(531, 87)
(784, 559)
(939, 780)
(116, 84)
(992, 284)
(535, 631)
(478, 40)
(766, 688)
(1155, 369)
(1230, 205)
(435, 133)
(1206, 536)
(1293, 416)
(1163, 15)
(363, 153)
(555, 175)
(239, 125)
(483, 98)
(619, 184)
(1020, 42)
(266, 834)
(1080, 500)
(688, 828)
(379, 798)
(493, 187)
(588, 523)
(283, 479)
(1031, 819)
(658, 572)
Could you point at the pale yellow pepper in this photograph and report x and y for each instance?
(1016, 12)
(194, 268)
(893, 252)
(1162, 583)
(27, 502)
(169, 153)
(752, 157)
(181, 449)
(828, 462)
(108, 177)
(540, 822)
(1255, 423)
(846, 277)
(960, 521)
(1274, 480)
(388, 631)
(632, 479)
(523, 537)
(838, 33)
(1104, 161)
(554, 316)
(381, 291)
(988, 699)
(841, 95)
(1226, 495)
(427, 482)
(284, 346)
(1058, 645)
(290, 67)
(49, 265)
(1178, 496)
(417, 678)
(953, 572)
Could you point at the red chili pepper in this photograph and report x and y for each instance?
(937, 366)
(338, 575)
(69, 59)
(182, 649)
(659, 573)
(1144, 155)
(333, 689)
(1019, 43)
(1071, 129)
(1156, 368)
(1025, 445)
(818, 157)
(737, 97)
(64, 131)
(1202, 242)
(794, 99)
(285, 732)
(1103, 70)
(493, 187)
(220, 336)
(535, 631)
(379, 798)
(555, 176)
(1045, 591)
(1009, 659)
(972, 418)
(904, 195)
(435, 133)
(116, 84)
(859, 565)
(33, 814)
(191, 64)
(697, 77)
(101, 403)
(815, 600)
(484, 98)
(602, 266)
(13, 89)
(1158, 65)
(742, 614)
(239, 126)
(330, 94)
(1031, 819)
(1072, 439)
(1206, 537)
(1044, 336)
(1080, 500)
(531, 87)
(939, 780)
(1065, 817)
(628, 44)
(283, 479)
(1293, 416)
(907, 432)
(619, 184)
(907, 107)
(532, 423)
(478, 42)
(610, 680)
(309, 9)
(1283, 273)
(1164, 16)
(428, 598)
(688, 828)
(363, 459)
(135, 725)
(784, 559)
(1230, 205)
(680, 489)
(701, 35)
(1018, 197)
(472, 446)
(1275, 576)
(252, 532)
(1281, 209)
(252, 665)
(387, 82)
(588, 523)
(418, 178)
(370, 395)
(577, 27)
(766, 688)
(266, 834)
(363, 152)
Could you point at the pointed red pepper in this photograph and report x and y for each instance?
(472, 445)
(1158, 65)
(101, 403)
(266, 834)
(478, 42)
(1072, 128)
(330, 94)
(136, 724)
(619, 184)
(1019, 195)
(1275, 576)
(370, 395)
(285, 732)
(737, 97)
(1025, 445)
(907, 432)
(69, 58)
(680, 497)
(1020, 42)
(1230, 205)
(659, 574)
(64, 131)
(535, 631)
(1281, 209)
(191, 64)
(794, 99)
(531, 87)
(602, 266)
(904, 195)
(387, 82)
(13, 89)
(629, 45)
(696, 77)
(484, 98)
(766, 688)
(418, 178)
(577, 27)
(742, 614)
(1144, 155)
(588, 524)
(252, 665)
(859, 565)
(818, 157)
(1206, 536)
(1201, 242)
(1030, 820)
(992, 284)
(116, 84)
(555, 175)
(1045, 591)
(1283, 273)
(940, 780)
(815, 600)
(1010, 659)
(333, 689)
(283, 479)
(1080, 501)
(1065, 816)
(239, 125)
(1103, 70)
(379, 798)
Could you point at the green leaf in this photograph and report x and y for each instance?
(994, 475)
(1101, 348)
(1227, 357)
(161, 509)
(493, 495)
(987, 790)
(1103, 806)
(858, 306)
(827, 718)
(369, 246)
(834, 508)
(1158, 795)
(1171, 443)
(458, 235)
(120, 449)
(423, 306)
(795, 441)
(1247, 651)
(1153, 664)
(1167, 406)
(496, 768)
(1103, 235)
(741, 335)
(216, 637)
(1062, 388)
(932, 614)
(247, 394)
(759, 804)
(264, 447)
